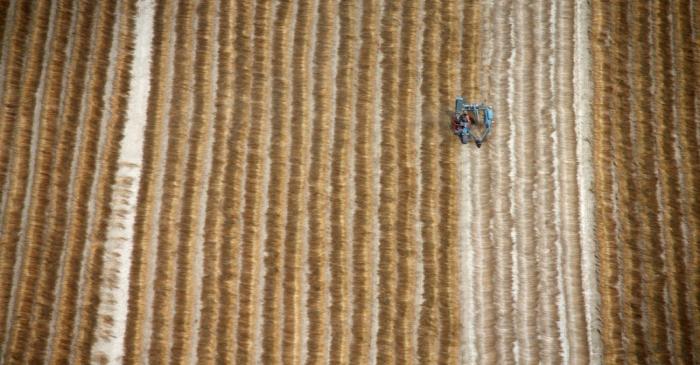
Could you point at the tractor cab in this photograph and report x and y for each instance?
(472, 121)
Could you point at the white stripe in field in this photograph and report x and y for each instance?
(418, 138)
(557, 120)
(376, 150)
(114, 290)
(583, 115)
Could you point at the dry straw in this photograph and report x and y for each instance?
(279, 156)
(363, 219)
(448, 254)
(428, 328)
(164, 304)
(297, 208)
(16, 335)
(545, 230)
(319, 193)
(254, 188)
(408, 188)
(388, 194)
(145, 207)
(340, 192)
(213, 225)
(200, 117)
(104, 185)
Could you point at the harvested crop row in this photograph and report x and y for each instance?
(276, 182)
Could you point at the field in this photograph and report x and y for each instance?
(276, 182)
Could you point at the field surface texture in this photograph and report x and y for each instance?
(276, 182)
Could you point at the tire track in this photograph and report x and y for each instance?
(388, 195)
(363, 221)
(279, 155)
(340, 174)
(254, 186)
(296, 209)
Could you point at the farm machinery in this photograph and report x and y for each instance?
(472, 121)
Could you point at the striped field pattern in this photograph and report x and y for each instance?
(275, 182)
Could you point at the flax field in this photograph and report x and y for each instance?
(276, 182)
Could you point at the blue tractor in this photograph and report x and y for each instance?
(472, 121)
